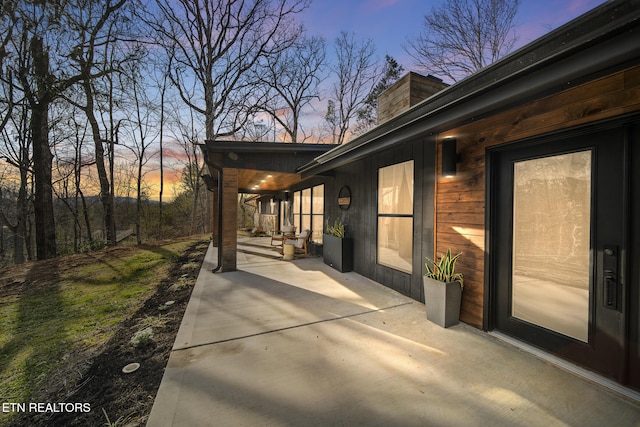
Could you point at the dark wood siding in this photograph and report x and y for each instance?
(361, 218)
(460, 201)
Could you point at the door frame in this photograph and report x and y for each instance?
(631, 130)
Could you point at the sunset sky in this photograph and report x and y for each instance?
(390, 22)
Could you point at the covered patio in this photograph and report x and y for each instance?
(297, 343)
(266, 169)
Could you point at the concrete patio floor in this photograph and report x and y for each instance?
(295, 343)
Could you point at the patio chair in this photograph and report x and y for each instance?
(280, 236)
(300, 242)
(276, 237)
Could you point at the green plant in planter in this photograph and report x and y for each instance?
(443, 290)
(337, 229)
(444, 270)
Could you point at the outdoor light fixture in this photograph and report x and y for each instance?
(449, 157)
(209, 181)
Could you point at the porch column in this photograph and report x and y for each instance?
(229, 219)
(212, 213)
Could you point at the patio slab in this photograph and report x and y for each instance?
(280, 343)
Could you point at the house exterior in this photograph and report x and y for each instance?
(543, 200)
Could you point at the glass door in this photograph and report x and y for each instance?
(558, 221)
(551, 242)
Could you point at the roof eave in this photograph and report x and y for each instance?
(218, 146)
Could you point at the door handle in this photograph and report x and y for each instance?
(610, 277)
(610, 290)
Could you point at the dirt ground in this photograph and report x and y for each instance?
(126, 399)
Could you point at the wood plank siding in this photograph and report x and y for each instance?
(460, 201)
(410, 90)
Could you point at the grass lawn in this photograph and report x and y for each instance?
(59, 312)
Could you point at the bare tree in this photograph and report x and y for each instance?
(257, 130)
(461, 37)
(16, 151)
(49, 40)
(106, 55)
(192, 166)
(214, 44)
(71, 159)
(367, 116)
(143, 135)
(355, 72)
(8, 23)
(292, 79)
(162, 86)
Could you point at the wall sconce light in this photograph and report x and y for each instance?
(209, 181)
(449, 157)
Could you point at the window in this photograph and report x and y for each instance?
(296, 209)
(308, 211)
(395, 216)
(305, 223)
(317, 213)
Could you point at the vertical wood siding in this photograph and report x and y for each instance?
(361, 218)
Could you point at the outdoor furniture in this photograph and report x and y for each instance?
(300, 242)
(288, 251)
(276, 237)
(287, 232)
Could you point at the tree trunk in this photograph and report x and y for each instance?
(106, 197)
(20, 230)
(28, 238)
(194, 211)
(42, 156)
(43, 196)
(85, 211)
(2, 250)
(162, 97)
(80, 198)
(139, 203)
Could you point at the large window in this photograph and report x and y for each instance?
(308, 211)
(395, 216)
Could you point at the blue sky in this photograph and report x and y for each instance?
(390, 22)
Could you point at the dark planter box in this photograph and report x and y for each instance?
(337, 252)
(442, 301)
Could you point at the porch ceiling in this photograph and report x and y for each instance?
(262, 181)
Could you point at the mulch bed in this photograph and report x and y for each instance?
(127, 398)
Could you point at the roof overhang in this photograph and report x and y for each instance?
(263, 167)
(599, 42)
